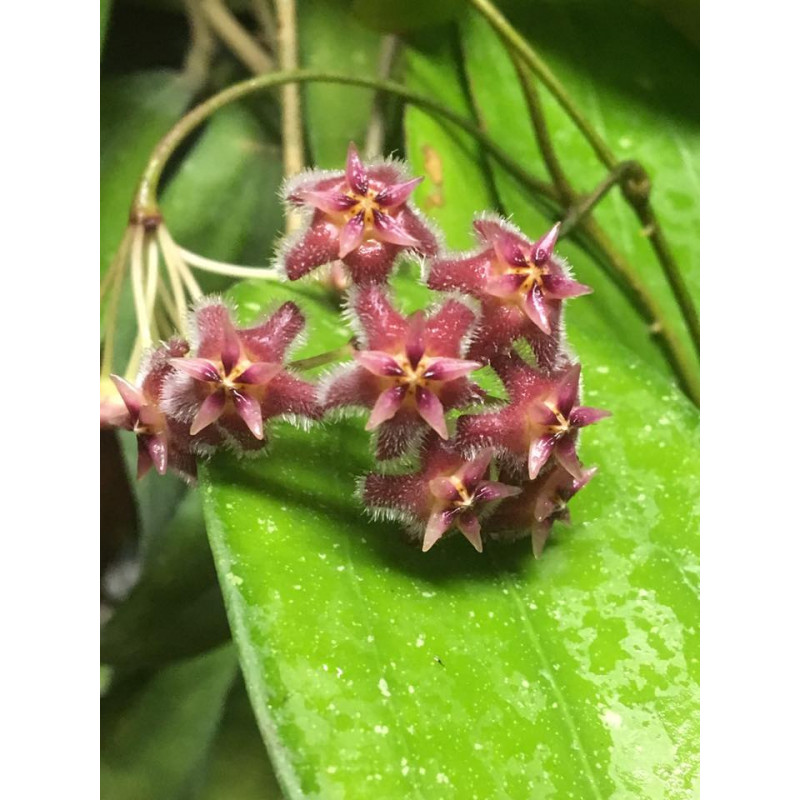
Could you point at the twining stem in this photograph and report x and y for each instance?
(152, 275)
(637, 193)
(622, 272)
(236, 37)
(174, 277)
(583, 207)
(202, 44)
(266, 20)
(172, 251)
(339, 354)
(291, 115)
(145, 202)
(231, 270)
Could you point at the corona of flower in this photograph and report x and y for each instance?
(448, 492)
(237, 379)
(541, 420)
(408, 370)
(521, 286)
(362, 217)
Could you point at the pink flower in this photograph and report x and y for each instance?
(361, 216)
(540, 503)
(408, 370)
(541, 419)
(162, 442)
(521, 286)
(448, 492)
(237, 378)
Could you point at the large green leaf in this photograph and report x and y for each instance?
(644, 104)
(156, 731)
(376, 669)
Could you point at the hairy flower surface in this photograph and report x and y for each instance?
(540, 503)
(361, 216)
(237, 378)
(521, 285)
(408, 370)
(162, 442)
(448, 492)
(541, 420)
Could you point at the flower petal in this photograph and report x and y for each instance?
(468, 524)
(131, 396)
(536, 309)
(448, 369)
(415, 338)
(567, 456)
(270, 339)
(583, 415)
(210, 411)
(157, 450)
(231, 347)
(390, 230)
(355, 172)
(543, 249)
(567, 392)
(471, 472)
(540, 533)
(260, 372)
(248, 409)
(488, 491)
(446, 329)
(386, 406)
(379, 363)
(383, 326)
(352, 235)
(443, 489)
(331, 201)
(201, 369)
(505, 286)
(538, 454)
(317, 246)
(438, 523)
(558, 288)
(397, 194)
(430, 409)
(508, 250)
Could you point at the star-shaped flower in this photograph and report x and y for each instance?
(408, 370)
(237, 378)
(362, 216)
(448, 492)
(162, 443)
(521, 285)
(543, 417)
(540, 503)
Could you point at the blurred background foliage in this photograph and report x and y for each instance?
(176, 722)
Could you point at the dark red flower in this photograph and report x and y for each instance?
(448, 492)
(521, 286)
(408, 370)
(542, 418)
(162, 442)
(540, 503)
(361, 216)
(238, 379)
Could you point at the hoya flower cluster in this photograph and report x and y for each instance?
(449, 457)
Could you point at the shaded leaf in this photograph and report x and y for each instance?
(156, 731)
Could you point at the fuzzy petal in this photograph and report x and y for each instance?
(539, 452)
(269, 340)
(209, 412)
(443, 489)
(430, 409)
(474, 470)
(355, 172)
(259, 373)
(398, 193)
(448, 369)
(438, 523)
(415, 338)
(583, 415)
(200, 369)
(536, 309)
(371, 262)
(379, 363)
(287, 394)
(331, 201)
(509, 251)
(390, 230)
(488, 491)
(568, 386)
(543, 249)
(467, 274)
(249, 410)
(317, 246)
(468, 524)
(386, 406)
(447, 328)
(231, 350)
(505, 286)
(558, 288)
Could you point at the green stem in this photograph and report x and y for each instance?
(145, 203)
(339, 354)
(639, 201)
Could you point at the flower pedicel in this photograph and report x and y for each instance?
(504, 472)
